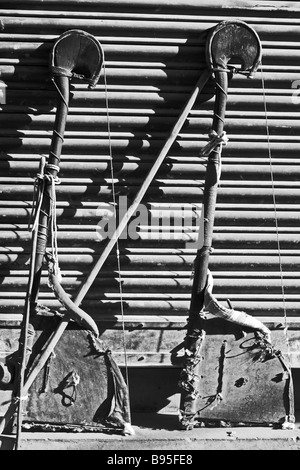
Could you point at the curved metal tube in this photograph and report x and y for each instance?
(75, 312)
(51, 171)
(209, 197)
(75, 54)
(228, 40)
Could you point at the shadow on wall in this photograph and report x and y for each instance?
(160, 395)
(296, 383)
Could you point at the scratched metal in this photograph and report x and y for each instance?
(235, 386)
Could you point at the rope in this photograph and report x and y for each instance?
(60, 72)
(37, 199)
(53, 224)
(215, 141)
(23, 398)
(115, 215)
(37, 203)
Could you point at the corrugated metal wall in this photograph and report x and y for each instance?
(154, 55)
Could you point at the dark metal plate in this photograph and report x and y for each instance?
(236, 384)
(53, 397)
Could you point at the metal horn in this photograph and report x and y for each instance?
(228, 41)
(234, 40)
(75, 54)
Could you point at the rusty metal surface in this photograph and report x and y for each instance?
(154, 372)
(75, 385)
(236, 385)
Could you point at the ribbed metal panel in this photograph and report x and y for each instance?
(155, 54)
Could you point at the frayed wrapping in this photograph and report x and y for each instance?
(211, 305)
(119, 412)
(120, 409)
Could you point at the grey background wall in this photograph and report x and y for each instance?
(154, 55)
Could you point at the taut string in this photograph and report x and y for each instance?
(275, 215)
(115, 215)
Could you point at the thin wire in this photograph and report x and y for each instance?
(289, 417)
(275, 216)
(115, 215)
(62, 97)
